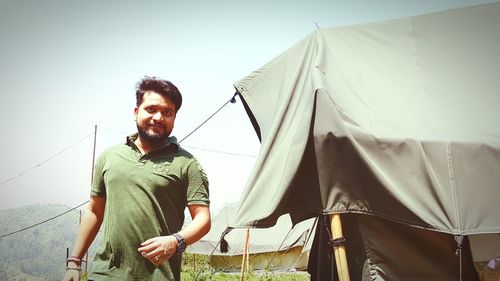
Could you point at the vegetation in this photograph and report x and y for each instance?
(38, 253)
(196, 268)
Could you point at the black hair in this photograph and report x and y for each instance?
(160, 86)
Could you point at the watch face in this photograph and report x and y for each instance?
(181, 247)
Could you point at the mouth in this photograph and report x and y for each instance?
(155, 128)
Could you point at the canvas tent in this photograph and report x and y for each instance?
(281, 247)
(393, 124)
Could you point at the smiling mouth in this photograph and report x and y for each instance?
(155, 126)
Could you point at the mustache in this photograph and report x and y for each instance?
(155, 125)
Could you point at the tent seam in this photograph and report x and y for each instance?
(435, 123)
(451, 178)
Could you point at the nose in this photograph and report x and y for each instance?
(157, 116)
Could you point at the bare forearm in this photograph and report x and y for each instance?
(89, 226)
(199, 226)
(87, 232)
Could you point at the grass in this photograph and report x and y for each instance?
(196, 268)
(221, 276)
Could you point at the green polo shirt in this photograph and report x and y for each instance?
(145, 197)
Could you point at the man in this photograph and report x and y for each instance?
(140, 190)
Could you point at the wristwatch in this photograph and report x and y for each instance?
(181, 242)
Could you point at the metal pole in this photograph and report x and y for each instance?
(93, 154)
(91, 180)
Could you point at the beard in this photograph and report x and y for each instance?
(152, 138)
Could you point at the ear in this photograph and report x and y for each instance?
(135, 113)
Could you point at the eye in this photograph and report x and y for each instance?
(168, 113)
(149, 109)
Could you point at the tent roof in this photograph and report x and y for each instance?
(397, 119)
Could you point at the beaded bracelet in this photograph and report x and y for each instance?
(74, 259)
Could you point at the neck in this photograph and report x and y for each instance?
(145, 146)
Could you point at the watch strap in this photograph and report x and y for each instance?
(181, 242)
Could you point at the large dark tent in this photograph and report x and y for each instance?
(395, 125)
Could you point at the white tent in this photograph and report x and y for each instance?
(281, 247)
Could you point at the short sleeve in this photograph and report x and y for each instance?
(197, 190)
(98, 187)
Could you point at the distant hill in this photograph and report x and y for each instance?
(38, 253)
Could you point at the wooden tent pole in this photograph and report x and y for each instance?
(243, 260)
(247, 266)
(194, 262)
(339, 250)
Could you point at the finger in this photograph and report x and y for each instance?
(161, 259)
(152, 254)
(149, 241)
(148, 248)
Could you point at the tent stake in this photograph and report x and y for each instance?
(339, 250)
(194, 262)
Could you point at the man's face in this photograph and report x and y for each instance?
(155, 118)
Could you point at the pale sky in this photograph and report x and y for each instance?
(69, 65)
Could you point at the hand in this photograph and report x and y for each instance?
(159, 249)
(72, 274)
